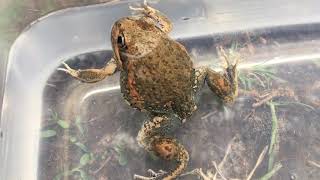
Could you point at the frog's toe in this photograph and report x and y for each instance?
(141, 8)
(144, 8)
(136, 8)
(231, 62)
(156, 174)
(68, 70)
(153, 175)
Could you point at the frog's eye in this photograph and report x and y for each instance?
(121, 42)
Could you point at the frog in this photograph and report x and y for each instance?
(158, 76)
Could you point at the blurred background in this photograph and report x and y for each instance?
(15, 15)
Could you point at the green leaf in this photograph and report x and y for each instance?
(272, 172)
(85, 159)
(73, 139)
(48, 133)
(122, 157)
(58, 176)
(63, 124)
(82, 146)
(79, 125)
(83, 175)
(63, 174)
(249, 83)
(92, 156)
(242, 81)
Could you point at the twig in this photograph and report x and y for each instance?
(248, 93)
(208, 115)
(225, 157)
(312, 163)
(249, 115)
(262, 96)
(280, 92)
(261, 157)
(258, 78)
(227, 153)
(102, 165)
(33, 10)
(281, 103)
(275, 169)
(218, 170)
(153, 174)
(197, 172)
(263, 101)
(142, 177)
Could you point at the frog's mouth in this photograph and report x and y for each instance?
(116, 55)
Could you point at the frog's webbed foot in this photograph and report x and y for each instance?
(159, 19)
(224, 85)
(153, 175)
(166, 148)
(91, 75)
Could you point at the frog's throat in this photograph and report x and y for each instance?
(116, 56)
(133, 56)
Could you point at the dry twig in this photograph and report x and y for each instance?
(312, 163)
(261, 157)
(224, 158)
(102, 165)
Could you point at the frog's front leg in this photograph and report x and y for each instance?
(91, 75)
(160, 20)
(167, 148)
(224, 85)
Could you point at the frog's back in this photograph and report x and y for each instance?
(162, 80)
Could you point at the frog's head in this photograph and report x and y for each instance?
(133, 38)
(118, 41)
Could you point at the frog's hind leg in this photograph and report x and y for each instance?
(91, 75)
(151, 139)
(161, 21)
(224, 85)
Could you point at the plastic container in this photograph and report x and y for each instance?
(52, 125)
